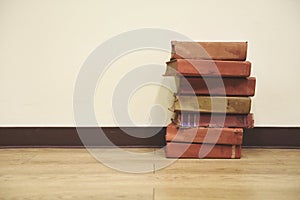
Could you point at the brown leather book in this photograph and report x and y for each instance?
(209, 50)
(190, 119)
(191, 67)
(204, 135)
(185, 150)
(213, 104)
(216, 86)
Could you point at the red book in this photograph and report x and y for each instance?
(185, 150)
(204, 135)
(190, 119)
(216, 86)
(191, 67)
(209, 50)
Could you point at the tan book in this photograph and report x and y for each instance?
(213, 104)
(209, 50)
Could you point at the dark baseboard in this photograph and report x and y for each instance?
(263, 137)
(68, 137)
(272, 137)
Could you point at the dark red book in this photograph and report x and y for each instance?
(204, 135)
(191, 67)
(190, 119)
(216, 86)
(185, 150)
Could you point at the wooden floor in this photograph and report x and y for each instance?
(75, 174)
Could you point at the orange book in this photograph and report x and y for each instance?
(185, 150)
(204, 135)
(216, 86)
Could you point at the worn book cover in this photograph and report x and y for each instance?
(216, 86)
(191, 67)
(209, 104)
(185, 150)
(192, 119)
(204, 135)
(209, 50)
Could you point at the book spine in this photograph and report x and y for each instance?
(205, 120)
(184, 150)
(209, 50)
(217, 86)
(188, 67)
(213, 104)
(204, 135)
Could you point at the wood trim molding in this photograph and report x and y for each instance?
(273, 137)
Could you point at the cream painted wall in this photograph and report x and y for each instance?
(44, 43)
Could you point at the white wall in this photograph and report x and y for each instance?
(43, 44)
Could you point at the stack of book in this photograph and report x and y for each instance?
(212, 104)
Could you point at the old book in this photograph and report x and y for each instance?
(191, 67)
(185, 150)
(216, 86)
(192, 119)
(209, 50)
(213, 104)
(204, 135)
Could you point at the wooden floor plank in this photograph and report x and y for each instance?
(76, 174)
